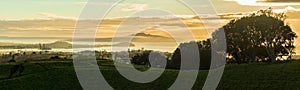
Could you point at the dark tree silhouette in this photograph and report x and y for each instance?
(204, 51)
(158, 59)
(261, 36)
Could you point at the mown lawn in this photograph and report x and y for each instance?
(60, 74)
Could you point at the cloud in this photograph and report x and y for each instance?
(81, 3)
(38, 24)
(54, 16)
(287, 9)
(267, 2)
(38, 28)
(135, 7)
(57, 24)
(126, 7)
(94, 3)
(278, 0)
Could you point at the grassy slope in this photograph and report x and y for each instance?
(61, 75)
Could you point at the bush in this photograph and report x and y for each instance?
(157, 59)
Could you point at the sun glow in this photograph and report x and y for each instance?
(263, 3)
(246, 2)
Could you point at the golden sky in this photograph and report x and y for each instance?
(58, 18)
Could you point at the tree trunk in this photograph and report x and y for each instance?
(272, 55)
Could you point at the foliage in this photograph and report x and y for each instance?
(261, 36)
(158, 58)
(204, 48)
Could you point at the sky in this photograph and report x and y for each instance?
(34, 9)
(58, 18)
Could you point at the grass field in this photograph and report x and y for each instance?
(61, 75)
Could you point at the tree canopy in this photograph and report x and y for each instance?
(261, 36)
(204, 48)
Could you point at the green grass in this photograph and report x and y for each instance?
(61, 75)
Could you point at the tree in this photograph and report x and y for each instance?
(204, 48)
(157, 59)
(261, 36)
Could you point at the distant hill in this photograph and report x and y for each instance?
(57, 44)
